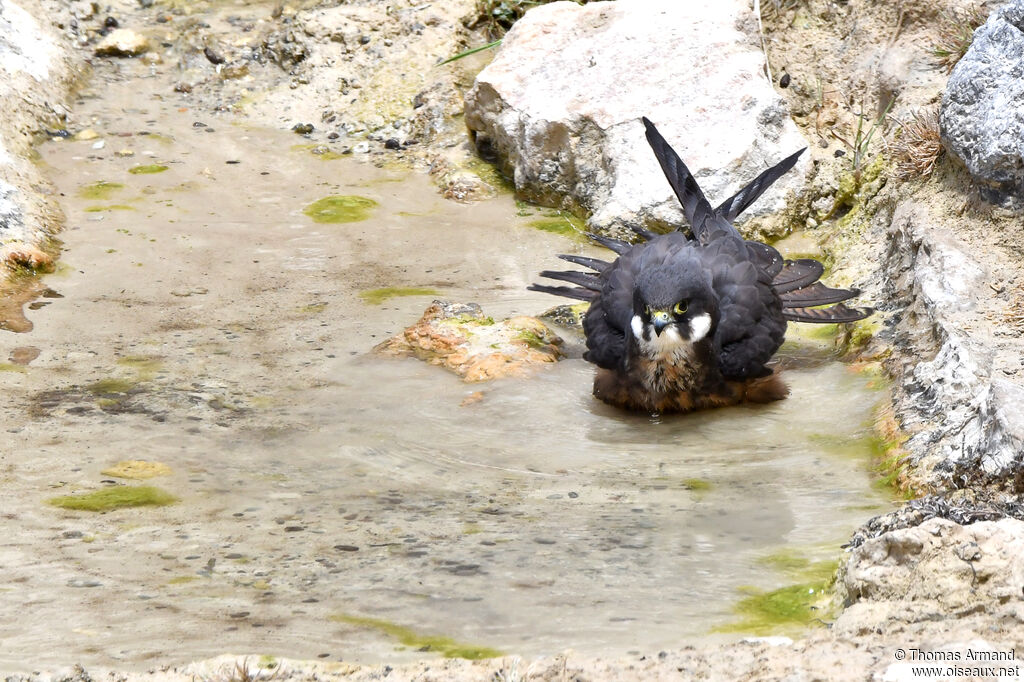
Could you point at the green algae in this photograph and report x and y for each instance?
(490, 174)
(136, 469)
(485, 321)
(112, 385)
(561, 222)
(313, 308)
(119, 497)
(109, 207)
(446, 646)
(145, 366)
(791, 608)
(697, 484)
(340, 208)
(182, 579)
(147, 169)
(378, 296)
(99, 191)
(12, 367)
(532, 339)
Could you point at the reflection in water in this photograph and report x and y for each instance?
(15, 295)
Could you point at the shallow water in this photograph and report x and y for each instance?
(317, 480)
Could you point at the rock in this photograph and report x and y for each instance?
(464, 187)
(940, 568)
(560, 108)
(19, 254)
(982, 115)
(963, 419)
(462, 339)
(122, 42)
(235, 70)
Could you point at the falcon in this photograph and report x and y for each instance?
(681, 322)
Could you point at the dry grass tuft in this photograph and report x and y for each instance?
(917, 145)
(243, 672)
(956, 30)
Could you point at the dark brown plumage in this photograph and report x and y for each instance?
(678, 324)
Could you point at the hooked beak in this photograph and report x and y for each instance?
(660, 319)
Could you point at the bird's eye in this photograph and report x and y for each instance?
(680, 308)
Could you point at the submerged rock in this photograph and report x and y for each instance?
(982, 115)
(560, 107)
(122, 42)
(462, 339)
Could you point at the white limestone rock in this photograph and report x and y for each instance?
(560, 107)
(982, 115)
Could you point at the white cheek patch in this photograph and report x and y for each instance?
(699, 327)
(637, 325)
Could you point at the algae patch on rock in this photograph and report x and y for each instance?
(99, 191)
(462, 339)
(147, 169)
(445, 646)
(137, 469)
(378, 296)
(115, 498)
(340, 208)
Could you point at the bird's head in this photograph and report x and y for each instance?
(671, 306)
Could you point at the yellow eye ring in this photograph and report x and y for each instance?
(680, 308)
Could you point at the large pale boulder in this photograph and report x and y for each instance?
(560, 107)
(982, 116)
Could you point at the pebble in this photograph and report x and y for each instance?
(302, 128)
(392, 143)
(361, 148)
(213, 56)
(83, 583)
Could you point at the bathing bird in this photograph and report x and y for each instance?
(681, 322)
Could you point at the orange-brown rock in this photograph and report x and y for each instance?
(462, 339)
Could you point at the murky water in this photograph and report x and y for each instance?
(209, 324)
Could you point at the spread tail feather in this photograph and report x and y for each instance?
(737, 203)
(796, 274)
(616, 245)
(833, 314)
(578, 293)
(696, 208)
(587, 280)
(592, 263)
(816, 294)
